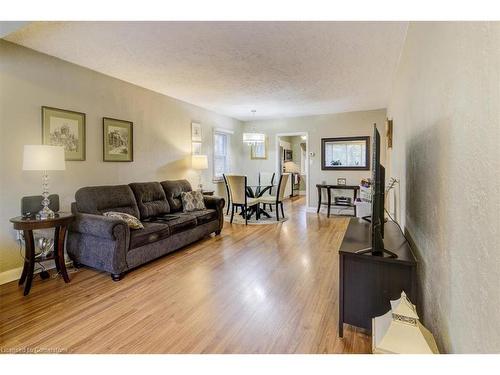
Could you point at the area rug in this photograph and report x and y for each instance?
(238, 219)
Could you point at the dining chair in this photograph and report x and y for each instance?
(238, 191)
(277, 199)
(267, 178)
(228, 194)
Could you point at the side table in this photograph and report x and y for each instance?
(60, 223)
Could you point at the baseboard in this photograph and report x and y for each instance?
(10, 275)
(323, 210)
(15, 273)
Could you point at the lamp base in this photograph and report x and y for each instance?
(45, 213)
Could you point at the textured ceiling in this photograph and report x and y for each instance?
(281, 69)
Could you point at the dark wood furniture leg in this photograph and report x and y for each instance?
(341, 296)
(282, 212)
(355, 197)
(319, 199)
(30, 256)
(59, 236)
(25, 270)
(329, 195)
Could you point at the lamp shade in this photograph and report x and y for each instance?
(400, 331)
(43, 158)
(199, 162)
(254, 138)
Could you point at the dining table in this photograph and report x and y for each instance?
(257, 191)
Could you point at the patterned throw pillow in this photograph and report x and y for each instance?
(192, 201)
(132, 221)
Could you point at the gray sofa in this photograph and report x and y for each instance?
(109, 245)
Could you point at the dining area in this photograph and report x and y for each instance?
(259, 202)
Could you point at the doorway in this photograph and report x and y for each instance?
(292, 156)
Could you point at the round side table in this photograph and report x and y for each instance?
(60, 223)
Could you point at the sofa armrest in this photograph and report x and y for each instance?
(217, 203)
(100, 226)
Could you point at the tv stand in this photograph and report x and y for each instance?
(368, 282)
(385, 251)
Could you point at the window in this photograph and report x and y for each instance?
(221, 154)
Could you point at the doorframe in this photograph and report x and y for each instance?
(278, 156)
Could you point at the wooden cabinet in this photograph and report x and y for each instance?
(367, 283)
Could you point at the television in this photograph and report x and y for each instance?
(377, 217)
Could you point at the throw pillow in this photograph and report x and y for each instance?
(132, 221)
(192, 201)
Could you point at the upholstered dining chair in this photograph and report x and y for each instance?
(266, 178)
(228, 194)
(238, 191)
(277, 199)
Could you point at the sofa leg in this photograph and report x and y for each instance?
(76, 264)
(117, 276)
(217, 232)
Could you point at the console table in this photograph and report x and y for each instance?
(328, 188)
(367, 283)
(28, 225)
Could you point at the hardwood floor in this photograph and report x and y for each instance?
(254, 289)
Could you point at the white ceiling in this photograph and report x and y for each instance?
(281, 69)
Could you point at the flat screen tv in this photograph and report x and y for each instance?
(377, 217)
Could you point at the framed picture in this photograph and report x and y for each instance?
(341, 181)
(61, 127)
(196, 148)
(258, 150)
(195, 132)
(118, 140)
(347, 153)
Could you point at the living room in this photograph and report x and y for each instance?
(205, 197)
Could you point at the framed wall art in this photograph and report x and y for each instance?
(195, 132)
(61, 127)
(118, 140)
(346, 153)
(258, 150)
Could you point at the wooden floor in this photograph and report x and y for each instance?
(254, 289)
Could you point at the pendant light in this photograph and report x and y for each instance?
(253, 138)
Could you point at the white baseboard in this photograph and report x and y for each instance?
(323, 210)
(10, 275)
(15, 273)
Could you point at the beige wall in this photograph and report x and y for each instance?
(162, 132)
(446, 110)
(323, 126)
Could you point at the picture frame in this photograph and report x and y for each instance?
(62, 127)
(196, 148)
(341, 181)
(196, 132)
(345, 153)
(259, 151)
(117, 140)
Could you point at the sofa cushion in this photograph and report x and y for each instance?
(150, 198)
(173, 190)
(204, 216)
(99, 199)
(181, 223)
(132, 221)
(152, 232)
(192, 201)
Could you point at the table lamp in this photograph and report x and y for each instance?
(44, 158)
(399, 331)
(199, 162)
